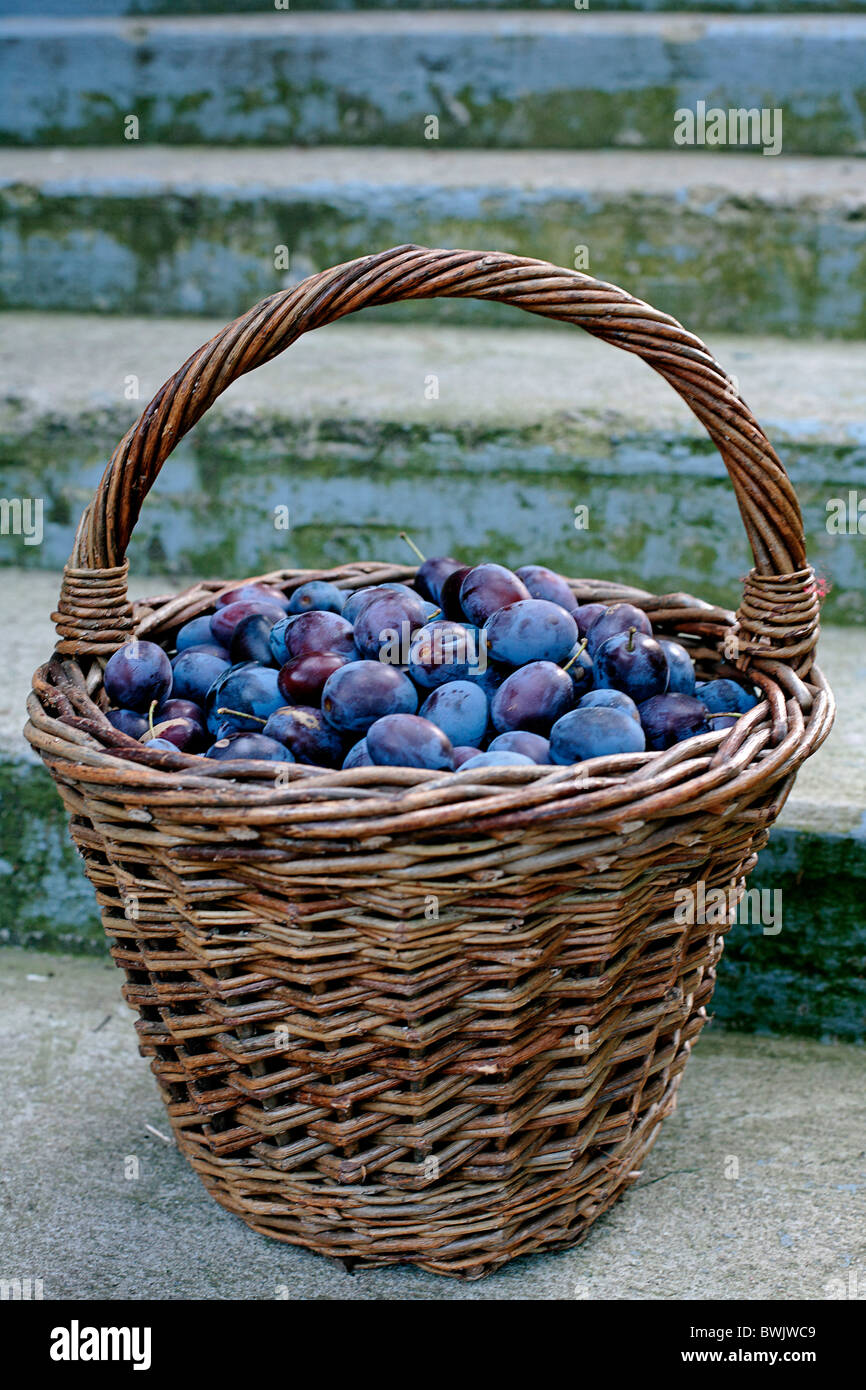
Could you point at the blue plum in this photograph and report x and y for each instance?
(610, 699)
(195, 673)
(255, 746)
(248, 693)
(668, 719)
(443, 651)
(383, 623)
(533, 697)
(358, 755)
(633, 662)
(318, 595)
(680, 666)
(724, 696)
(225, 620)
(618, 618)
(594, 732)
(545, 583)
(487, 588)
(127, 721)
(460, 709)
(531, 629)
(499, 757)
(361, 692)
(532, 746)
(193, 633)
(317, 632)
(137, 674)
(253, 593)
(251, 640)
(307, 735)
(408, 740)
(431, 575)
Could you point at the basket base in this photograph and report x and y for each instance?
(554, 1215)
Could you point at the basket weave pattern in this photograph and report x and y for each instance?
(399, 1015)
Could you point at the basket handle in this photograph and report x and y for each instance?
(778, 616)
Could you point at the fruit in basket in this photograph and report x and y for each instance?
(533, 697)
(303, 678)
(547, 584)
(408, 740)
(319, 595)
(461, 711)
(610, 699)
(358, 755)
(442, 651)
(461, 754)
(361, 692)
(724, 696)
(251, 639)
(431, 575)
(187, 735)
(196, 632)
(633, 662)
(513, 672)
(499, 757)
(594, 732)
(225, 620)
(249, 746)
(306, 734)
(128, 721)
(138, 674)
(668, 719)
(317, 632)
(248, 694)
(449, 594)
(532, 746)
(194, 673)
(532, 629)
(614, 620)
(486, 589)
(253, 593)
(382, 621)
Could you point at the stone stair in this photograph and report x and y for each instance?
(270, 144)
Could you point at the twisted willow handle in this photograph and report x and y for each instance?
(778, 615)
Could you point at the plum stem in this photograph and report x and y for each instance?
(573, 658)
(412, 546)
(150, 717)
(241, 714)
(630, 643)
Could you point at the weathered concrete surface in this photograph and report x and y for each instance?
(775, 245)
(342, 430)
(79, 1102)
(566, 80)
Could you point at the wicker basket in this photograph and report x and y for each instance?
(401, 1015)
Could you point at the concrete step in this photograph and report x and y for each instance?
(138, 9)
(343, 430)
(807, 979)
(788, 1109)
(729, 243)
(570, 80)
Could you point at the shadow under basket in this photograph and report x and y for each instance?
(411, 1016)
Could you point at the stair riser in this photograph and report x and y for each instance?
(661, 511)
(583, 85)
(96, 246)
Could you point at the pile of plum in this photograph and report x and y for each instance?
(470, 667)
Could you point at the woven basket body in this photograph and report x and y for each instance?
(402, 1015)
